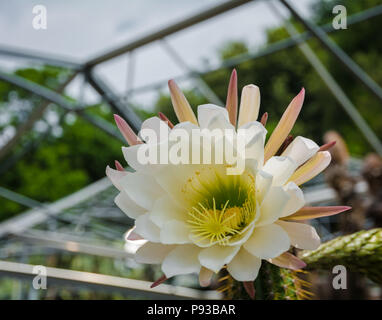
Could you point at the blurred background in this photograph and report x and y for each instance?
(60, 86)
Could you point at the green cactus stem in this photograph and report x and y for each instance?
(358, 252)
(272, 283)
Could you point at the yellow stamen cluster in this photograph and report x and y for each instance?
(219, 225)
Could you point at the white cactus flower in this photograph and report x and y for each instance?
(196, 218)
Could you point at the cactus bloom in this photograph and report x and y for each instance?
(196, 218)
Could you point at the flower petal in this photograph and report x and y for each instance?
(142, 188)
(307, 213)
(232, 99)
(126, 131)
(301, 150)
(268, 242)
(175, 232)
(128, 206)
(214, 258)
(272, 205)
(115, 176)
(296, 200)
(181, 106)
(152, 253)
(284, 126)
(311, 168)
(302, 236)
(263, 184)
(130, 235)
(249, 104)
(207, 112)
(157, 126)
(165, 209)
(146, 228)
(181, 260)
(288, 260)
(205, 276)
(244, 266)
(281, 168)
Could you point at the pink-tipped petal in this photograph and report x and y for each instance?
(205, 276)
(327, 146)
(159, 281)
(308, 213)
(165, 119)
(127, 132)
(249, 288)
(284, 126)
(118, 166)
(264, 119)
(311, 168)
(232, 100)
(288, 260)
(131, 235)
(181, 106)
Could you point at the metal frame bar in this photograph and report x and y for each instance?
(183, 24)
(332, 85)
(33, 217)
(104, 283)
(113, 100)
(337, 52)
(270, 49)
(59, 100)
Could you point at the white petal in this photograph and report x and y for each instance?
(214, 258)
(128, 206)
(146, 228)
(301, 149)
(220, 122)
(263, 184)
(157, 126)
(296, 200)
(272, 205)
(253, 134)
(173, 178)
(268, 242)
(152, 253)
(130, 155)
(249, 104)
(187, 126)
(142, 188)
(115, 176)
(253, 128)
(244, 266)
(302, 236)
(175, 232)
(182, 260)
(165, 209)
(281, 168)
(208, 111)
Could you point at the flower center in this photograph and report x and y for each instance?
(222, 205)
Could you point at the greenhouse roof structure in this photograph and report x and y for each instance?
(87, 222)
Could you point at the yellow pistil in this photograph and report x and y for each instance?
(218, 225)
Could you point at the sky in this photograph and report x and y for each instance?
(81, 29)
